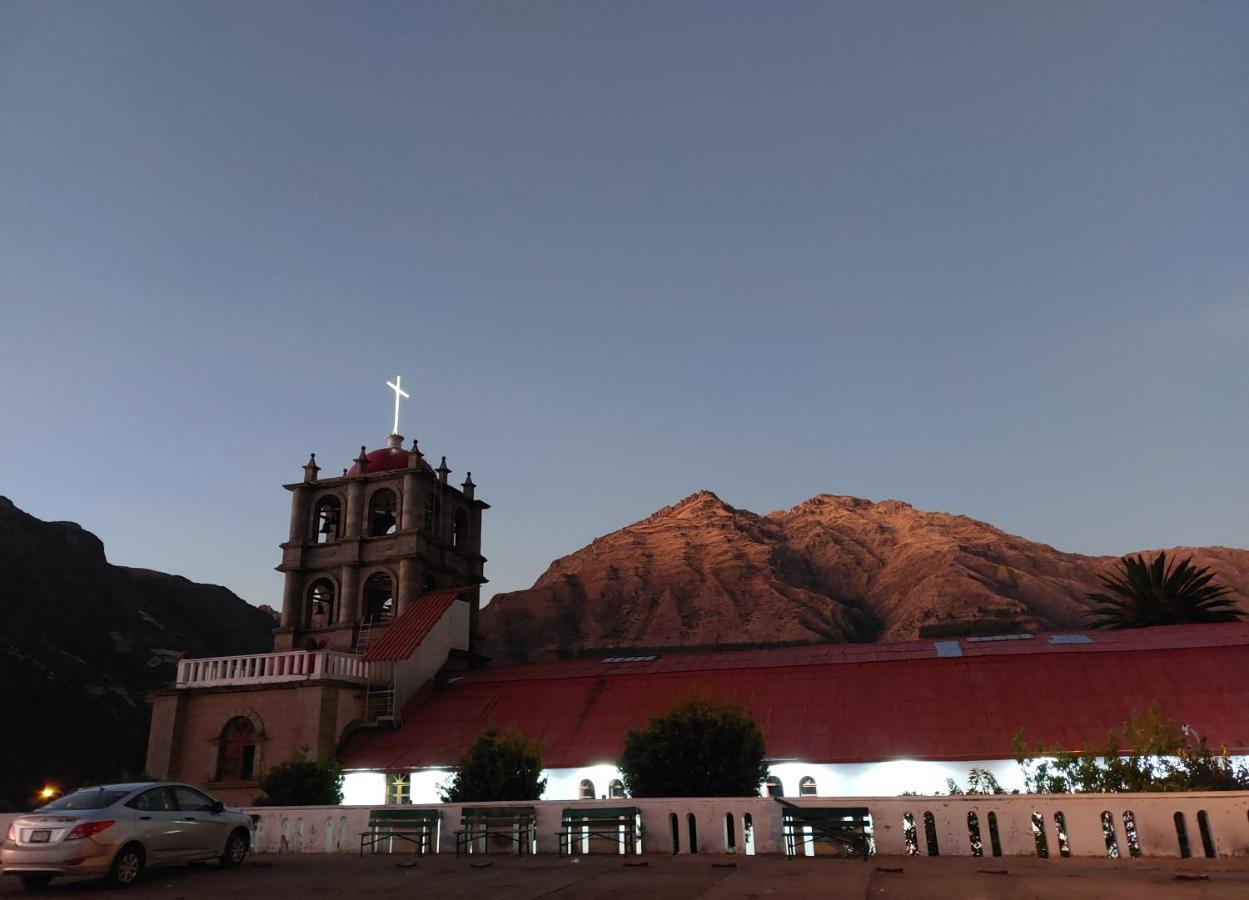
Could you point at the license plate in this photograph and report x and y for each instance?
(40, 837)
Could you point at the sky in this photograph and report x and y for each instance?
(988, 258)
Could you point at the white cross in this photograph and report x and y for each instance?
(399, 392)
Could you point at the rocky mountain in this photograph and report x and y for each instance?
(82, 640)
(841, 569)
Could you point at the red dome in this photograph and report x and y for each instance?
(383, 460)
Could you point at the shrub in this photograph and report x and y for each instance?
(497, 767)
(697, 749)
(303, 782)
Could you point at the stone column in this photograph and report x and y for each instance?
(408, 518)
(349, 599)
(291, 591)
(299, 516)
(408, 587)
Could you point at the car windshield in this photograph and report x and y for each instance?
(96, 798)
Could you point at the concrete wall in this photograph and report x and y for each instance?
(337, 829)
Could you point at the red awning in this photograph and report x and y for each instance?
(406, 633)
(952, 700)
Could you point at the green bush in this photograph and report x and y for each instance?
(696, 749)
(497, 767)
(303, 782)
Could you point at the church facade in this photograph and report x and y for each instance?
(382, 571)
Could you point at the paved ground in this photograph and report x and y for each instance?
(681, 878)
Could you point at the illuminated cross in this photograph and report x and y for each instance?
(399, 392)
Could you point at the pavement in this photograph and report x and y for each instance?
(659, 877)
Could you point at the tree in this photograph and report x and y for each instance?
(1149, 753)
(303, 782)
(497, 767)
(696, 749)
(1140, 594)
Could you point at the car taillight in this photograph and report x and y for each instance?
(88, 829)
(12, 833)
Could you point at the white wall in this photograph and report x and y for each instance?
(337, 829)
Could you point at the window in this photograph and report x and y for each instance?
(92, 798)
(236, 751)
(379, 598)
(806, 787)
(773, 787)
(910, 834)
(1038, 835)
(459, 530)
(1108, 832)
(428, 583)
(157, 800)
(616, 790)
(1181, 835)
(676, 833)
(1207, 837)
(398, 790)
(994, 838)
(383, 513)
(585, 790)
(973, 834)
(321, 604)
(1060, 827)
(693, 829)
(430, 519)
(327, 520)
(1129, 832)
(189, 800)
(930, 834)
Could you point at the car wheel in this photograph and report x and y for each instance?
(236, 849)
(127, 866)
(35, 882)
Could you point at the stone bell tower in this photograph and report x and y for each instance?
(364, 545)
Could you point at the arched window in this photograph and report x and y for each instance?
(973, 834)
(930, 834)
(383, 513)
(459, 530)
(806, 787)
(1060, 827)
(1038, 835)
(730, 834)
(910, 835)
(236, 751)
(321, 604)
(327, 520)
(773, 787)
(398, 790)
(428, 583)
(995, 839)
(1129, 832)
(1207, 836)
(1108, 833)
(676, 833)
(1181, 835)
(379, 598)
(615, 790)
(585, 791)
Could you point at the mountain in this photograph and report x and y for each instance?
(81, 642)
(841, 569)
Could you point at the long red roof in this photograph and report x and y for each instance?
(953, 700)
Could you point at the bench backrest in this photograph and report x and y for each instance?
(853, 817)
(499, 815)
(587, 815)
(390, 817)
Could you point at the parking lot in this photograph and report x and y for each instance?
(663, 877)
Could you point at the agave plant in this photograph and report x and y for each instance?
(1144, 593)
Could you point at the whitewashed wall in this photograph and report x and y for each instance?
(337, 829)
(844, 780)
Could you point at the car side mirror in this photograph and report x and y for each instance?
(217, 808)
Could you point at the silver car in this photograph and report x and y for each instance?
(117, 830)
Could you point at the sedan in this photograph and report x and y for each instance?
(118, 830)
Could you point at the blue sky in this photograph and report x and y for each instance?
(987, 258)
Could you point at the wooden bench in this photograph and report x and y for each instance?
(611, 822)
(845, 827)
(516, 823)
(416, 826)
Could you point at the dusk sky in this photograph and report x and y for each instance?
(988, 258)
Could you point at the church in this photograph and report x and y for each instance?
(375, 662)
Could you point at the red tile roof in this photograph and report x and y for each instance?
(406, 633)
(848, 703)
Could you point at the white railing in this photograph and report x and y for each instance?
(272, 668)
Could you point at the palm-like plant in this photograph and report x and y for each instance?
(1154, 593)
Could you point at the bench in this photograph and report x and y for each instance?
(611, 822)
(516, 823)
(845, 827)
(416, 826)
